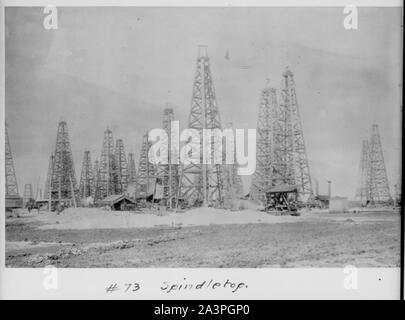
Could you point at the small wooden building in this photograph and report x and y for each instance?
(322, 201)
(13, 202)
(119, 202)
(282, 198)
(338, 205)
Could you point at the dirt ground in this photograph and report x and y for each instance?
(367, 239)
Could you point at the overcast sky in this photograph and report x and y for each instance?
(119, 67)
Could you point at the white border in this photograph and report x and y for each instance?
(206, 3)
(271, 283)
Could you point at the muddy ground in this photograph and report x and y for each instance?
(360, 239)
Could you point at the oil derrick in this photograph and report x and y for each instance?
(107, 176)
(397, 189)
(292, 144)
(48, 181)
(283, 144)
(201, 183)
(11, 180)
(379, 188)
(398, 193)
(96, 178)
(131, 169)
(263, 176)
(63, 186)
(146, 171)
(132, 184)
(121, 167)
(86, 177)
(38, 193)
(232, 182)
(28, 194)
(167, 179)
(363, 183)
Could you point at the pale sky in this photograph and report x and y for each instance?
(119, 67)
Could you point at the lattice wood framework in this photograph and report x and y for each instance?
(121, 167)
(146, 175)
(96, 177)
(201, 184)
(28, 193)
(107, 182)
(131, 168)
(293, 130)
(263, 177)
(63, 187)
(398, 192)
(10, 179)
(232, 182)
(283, 144)
(379, 187)
(49, 177)
(281, 156)
(87, 177)
(363, 183)
(373, 186)
(167, 175)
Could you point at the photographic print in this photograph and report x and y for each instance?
(202, 137)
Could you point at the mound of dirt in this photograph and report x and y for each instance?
(96, 218)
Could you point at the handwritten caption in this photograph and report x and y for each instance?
(185, 285)
(233, 287)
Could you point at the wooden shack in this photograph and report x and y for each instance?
(282, 198)
(119, 202)
(338, 205)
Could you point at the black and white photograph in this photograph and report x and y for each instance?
(202, 137)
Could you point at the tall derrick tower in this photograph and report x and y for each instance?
(167, 178)
(398, 188)
(232, 182)
(283, 144)
(201, 183)
(132, 184)
(28, 193)
(63, 186)
(363, 183)
(263, 176)
(291, 127)
(86, 177)
(281, 156)
(379, 187)
(48, 181)
(38, 192)
(131, 168)
(146, 171)
(108, 175)
(398, 192)
(121, 167)
(372, 186)
(96, 178)
(11, 180)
